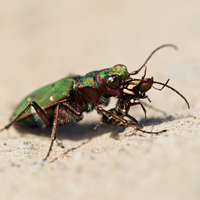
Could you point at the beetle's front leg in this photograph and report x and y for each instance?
(109, 120)
(100, 110)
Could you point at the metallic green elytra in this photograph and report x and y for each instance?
(64, 101)
(46, 97)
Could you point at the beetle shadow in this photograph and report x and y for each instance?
(72, 131)
(87, 131)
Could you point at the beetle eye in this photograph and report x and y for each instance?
(113, 81)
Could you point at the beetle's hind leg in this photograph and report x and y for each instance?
(37, 109)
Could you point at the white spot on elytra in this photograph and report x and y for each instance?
(51, 98)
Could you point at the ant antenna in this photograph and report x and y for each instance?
(162, 86)
(165, 85)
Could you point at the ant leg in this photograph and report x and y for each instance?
(143, 108)
(132, 118)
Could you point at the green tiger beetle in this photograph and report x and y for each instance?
(65, 101)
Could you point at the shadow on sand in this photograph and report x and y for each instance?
(86, 131)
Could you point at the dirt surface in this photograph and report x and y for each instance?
(43, 41)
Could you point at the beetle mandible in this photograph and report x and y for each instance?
(65, 101)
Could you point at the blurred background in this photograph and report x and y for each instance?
(44, 41)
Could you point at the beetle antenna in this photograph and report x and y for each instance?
(165, 85)
(160, 47)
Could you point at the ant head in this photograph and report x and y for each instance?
(145, 84)
(137, 88)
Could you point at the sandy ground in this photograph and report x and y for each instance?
(43, 41)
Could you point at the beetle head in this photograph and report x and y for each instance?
(110, 80)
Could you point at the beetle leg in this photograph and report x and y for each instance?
(109, 120)
(54, 134)
(38, 110)
(126, 123)
(77, 115)
(100, 110)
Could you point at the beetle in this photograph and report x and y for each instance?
(65, 101)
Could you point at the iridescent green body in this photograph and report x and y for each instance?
(82, 94)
